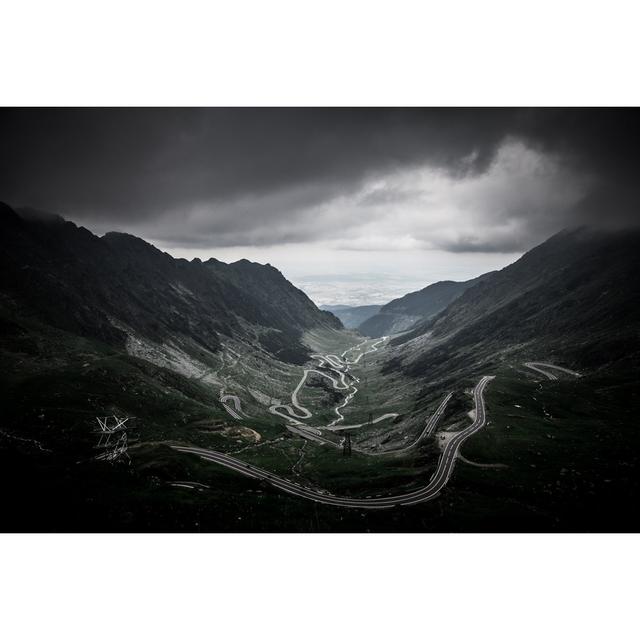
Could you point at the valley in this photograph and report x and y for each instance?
(428, 492)
(250, 409)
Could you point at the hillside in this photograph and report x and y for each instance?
(352, 317)
(575, 299)
(111, 326)
(118, 286)
(404, 313)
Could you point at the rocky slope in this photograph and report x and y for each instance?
(117, 286)
(575, 299)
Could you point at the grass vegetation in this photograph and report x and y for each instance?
(570, 447)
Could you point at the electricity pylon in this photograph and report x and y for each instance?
(117, 448)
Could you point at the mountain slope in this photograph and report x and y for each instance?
(111, 326)
(574, 299)
(404, 313)
(118, 286)
(351, 317)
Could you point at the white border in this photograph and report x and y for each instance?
(319, 587)
(334, 52)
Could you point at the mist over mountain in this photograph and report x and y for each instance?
(352, 317)
(404, 313)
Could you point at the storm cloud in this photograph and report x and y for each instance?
(462, 180)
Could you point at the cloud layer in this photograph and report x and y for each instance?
(463, 180)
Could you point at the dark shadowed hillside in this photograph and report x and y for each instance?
(574, 299)
(117, 286)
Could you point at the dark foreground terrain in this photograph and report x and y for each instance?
(561, 456)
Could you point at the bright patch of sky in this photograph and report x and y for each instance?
(399, 232)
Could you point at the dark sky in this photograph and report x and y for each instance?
(337, 182)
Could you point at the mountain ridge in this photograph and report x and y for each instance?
(404, 313)
(97, 286)
(352, 316)
(574, 298)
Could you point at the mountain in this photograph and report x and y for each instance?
(119, 288)
(205, 355)
(352, 317)
(404, 313)
(575, 299)
(187, 351)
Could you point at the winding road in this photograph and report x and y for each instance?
(384, 416)
(429, 428)
(234, 413)
(428, 492)
(540, 367)
(338, 365)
